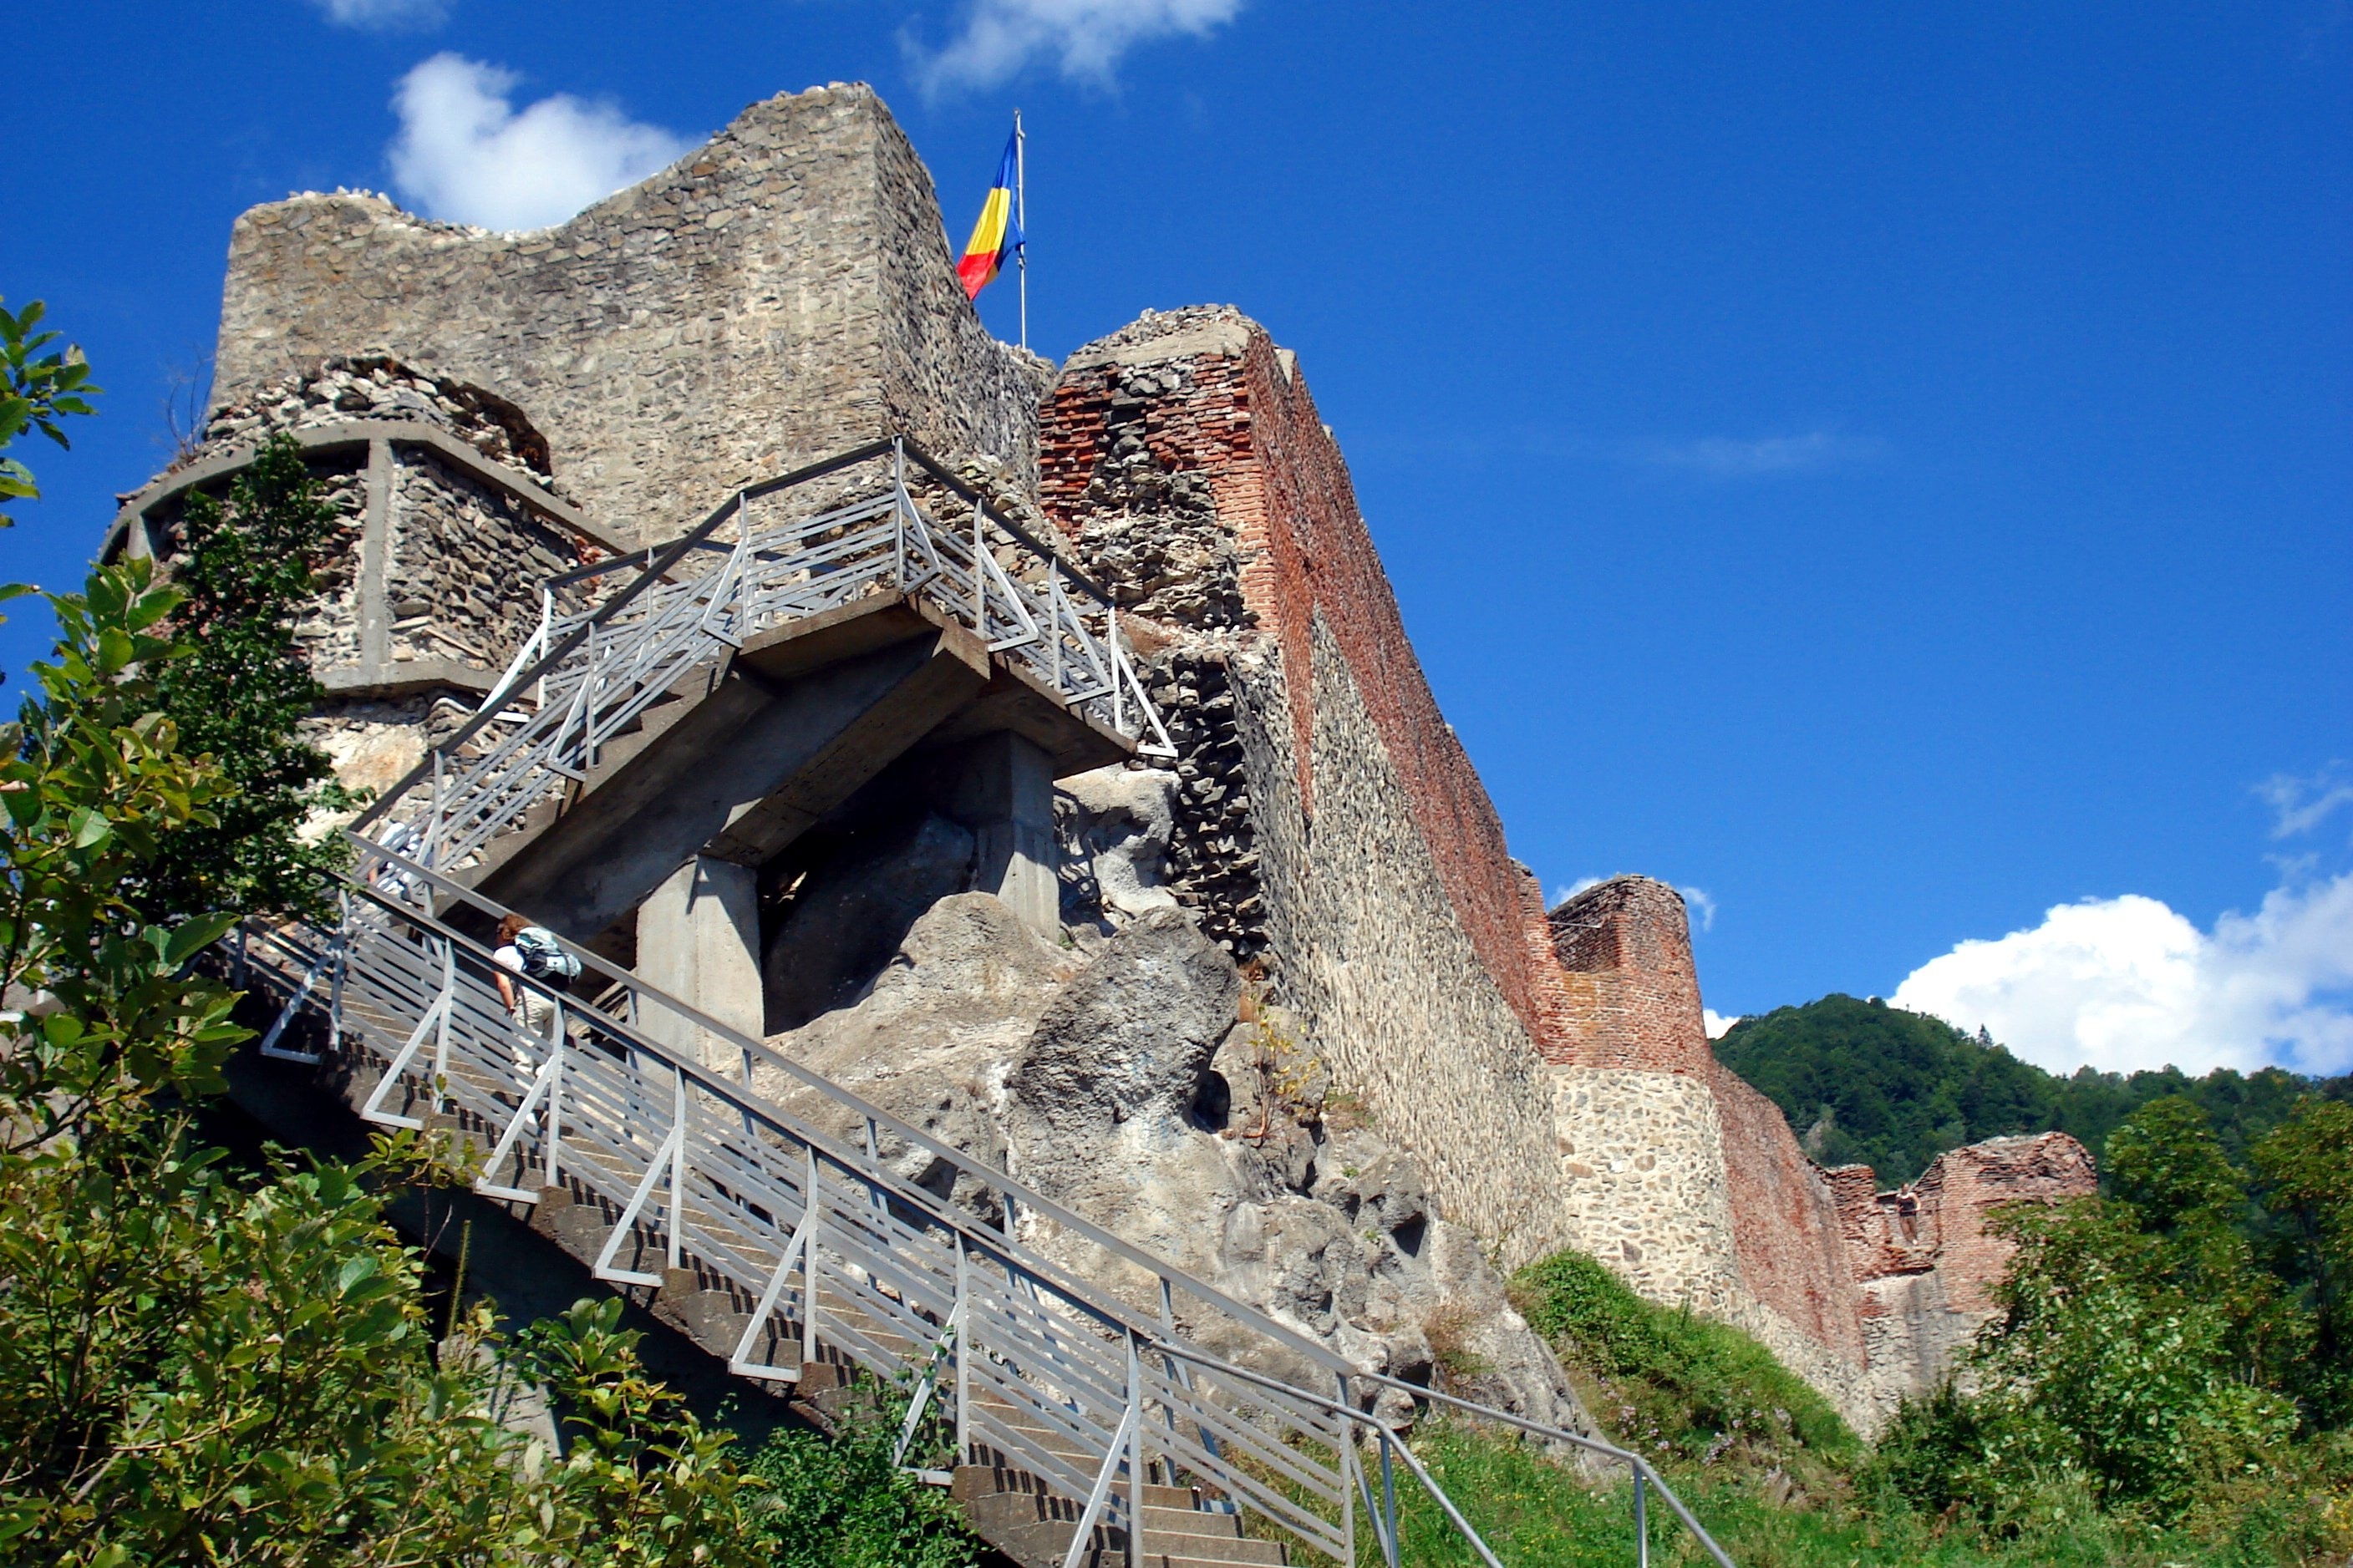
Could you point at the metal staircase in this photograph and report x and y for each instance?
(1085, 1423)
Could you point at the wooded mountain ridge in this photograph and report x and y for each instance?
(1865, 1083)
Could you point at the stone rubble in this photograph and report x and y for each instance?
(375, 387)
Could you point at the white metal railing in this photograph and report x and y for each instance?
(831, 1247)
(874, 520)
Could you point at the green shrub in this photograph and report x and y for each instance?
(1674, 1386)
(839, 1503)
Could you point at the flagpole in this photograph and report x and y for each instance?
(1021, 218)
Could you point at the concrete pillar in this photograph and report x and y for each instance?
(698, 940)
(1004, 791)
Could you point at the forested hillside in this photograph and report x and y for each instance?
(1864, 1083)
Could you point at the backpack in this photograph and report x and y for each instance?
(544, 957)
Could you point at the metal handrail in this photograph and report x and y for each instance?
(604, 667)
(1041, 1373)
(662, 560)
(702, 1159)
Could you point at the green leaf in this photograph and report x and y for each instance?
(90, 828)
(195, 935)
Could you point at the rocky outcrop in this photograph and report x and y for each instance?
(1116, 1082)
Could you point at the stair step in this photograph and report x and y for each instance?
(1189, 1521)
(1234, 1548)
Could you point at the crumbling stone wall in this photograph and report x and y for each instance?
(1924, 1258)
(1685, 1180)
(1353, 847)
(778, 295)
(407, 632)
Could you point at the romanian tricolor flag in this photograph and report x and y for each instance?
(998, 234)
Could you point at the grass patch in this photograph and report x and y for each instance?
(1676, 1388)
(839, 1503)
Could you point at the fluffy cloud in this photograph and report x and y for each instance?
(386, 16)
(465, 155)
(1725, 457)
(1085, 38)
(2126, 982)
(1718, 1026)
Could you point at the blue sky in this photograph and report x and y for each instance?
(1883, 468)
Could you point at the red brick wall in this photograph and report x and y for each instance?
(1958, 1195)
(1631, 990)
(1249, 427)
(1785, 1223)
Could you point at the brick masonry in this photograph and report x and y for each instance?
(1553, 1069)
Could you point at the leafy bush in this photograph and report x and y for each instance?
(839, 1503)
(2141, 1360)
(1669, 1384)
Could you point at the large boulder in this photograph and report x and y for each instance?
(1119, 1084)
(853, 911)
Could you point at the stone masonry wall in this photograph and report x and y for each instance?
(1685, 1180)
(1183, 453)
(1395, 998)
(778, 295)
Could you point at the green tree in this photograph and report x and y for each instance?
(2307, 1169)
(246, 574)
(36, 391)
(200, 1366)
(2129, 1359)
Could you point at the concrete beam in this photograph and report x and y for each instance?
(737, 776)
(1002, 787)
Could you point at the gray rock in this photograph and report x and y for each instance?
(854, 911)
(1116, 827)
(1127, 1042)
(931, 1039)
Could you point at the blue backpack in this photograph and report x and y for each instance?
(544, 957)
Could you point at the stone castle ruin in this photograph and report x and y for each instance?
(1272, 1000)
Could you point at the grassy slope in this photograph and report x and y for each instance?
(1766, 1465)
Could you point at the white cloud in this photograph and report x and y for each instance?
(1562, 895)
(464, 153)
(1701, 905)
(386, 16)
(1718, 1026)
(1086, 38)
(2126, 982)
(1725, 457)
(2299, 805)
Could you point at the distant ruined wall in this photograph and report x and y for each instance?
(778, 295)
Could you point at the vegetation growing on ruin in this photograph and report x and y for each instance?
(240, 688)
(1864, 1083)
(1676, 1387)
(2167, 1381)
